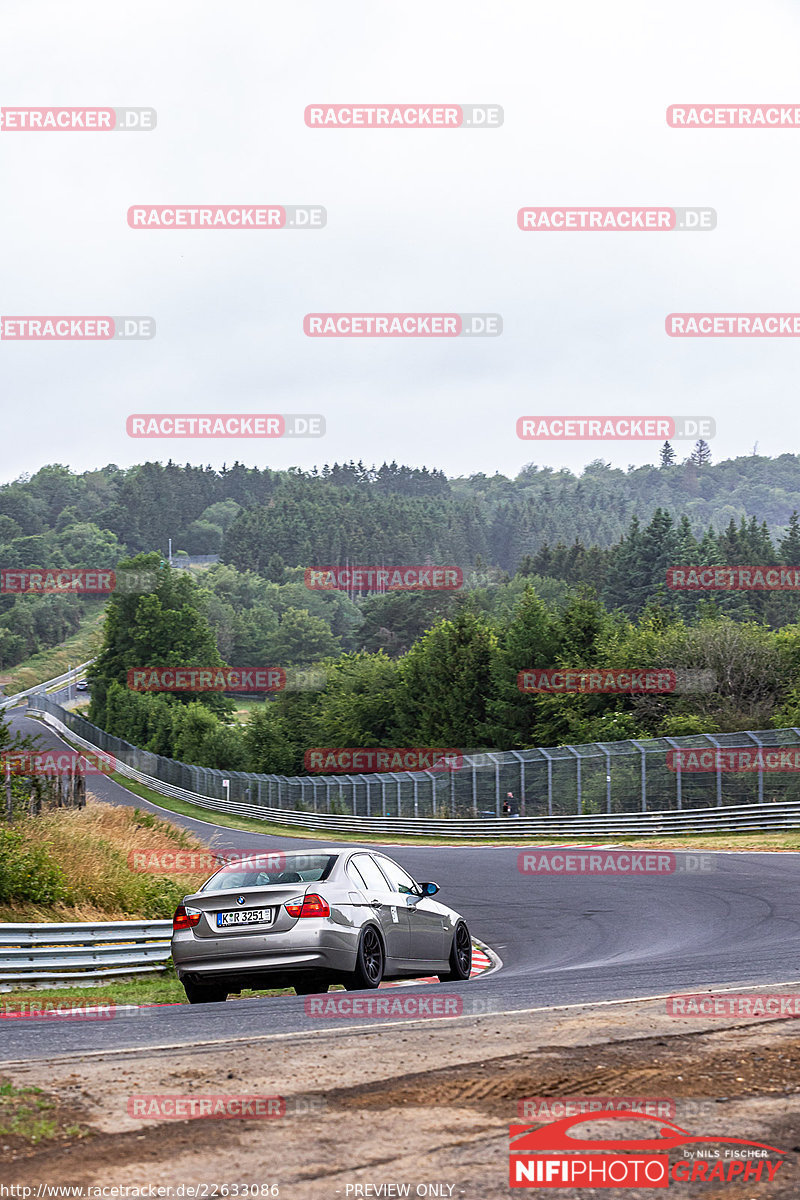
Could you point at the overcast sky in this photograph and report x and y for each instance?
(417, 221)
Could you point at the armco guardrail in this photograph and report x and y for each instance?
(44, 954)
(776, 814)
(67, 677)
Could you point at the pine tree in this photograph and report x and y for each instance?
(789, 545)
(701, 455)
(668, 457)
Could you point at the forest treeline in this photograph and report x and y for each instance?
(613, 530)
(348, 510)
(456, 685)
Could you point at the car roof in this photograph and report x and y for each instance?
(325, 850)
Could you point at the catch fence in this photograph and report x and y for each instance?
(600, 779)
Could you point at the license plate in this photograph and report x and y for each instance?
(246, 916)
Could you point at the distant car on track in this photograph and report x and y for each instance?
(343, 915)
(81, 686)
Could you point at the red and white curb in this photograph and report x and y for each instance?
(483, 960)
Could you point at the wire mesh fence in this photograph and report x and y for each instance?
(630, 777)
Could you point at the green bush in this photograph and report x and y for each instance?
(160, 897)
(28, 874)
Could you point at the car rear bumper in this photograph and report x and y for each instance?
(314, 949)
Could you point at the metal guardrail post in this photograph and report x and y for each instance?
(643, 782)
(608, 777)
(718, 771)
(496, 784)
(574, 752)
(521, 762)
(760, 745)
(549, 759)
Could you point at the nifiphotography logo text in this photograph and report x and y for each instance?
(571, 1152)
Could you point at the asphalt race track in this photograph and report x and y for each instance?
(563, 940)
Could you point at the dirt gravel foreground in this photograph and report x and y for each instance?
(427, 1105)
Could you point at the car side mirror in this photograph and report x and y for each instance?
(429, 889)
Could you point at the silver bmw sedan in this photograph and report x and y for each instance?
(309, 919)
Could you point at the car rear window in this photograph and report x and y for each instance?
(296, 868)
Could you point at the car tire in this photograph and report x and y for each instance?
(460, 955)
(203, 993)
(369, 962)
(310, 987)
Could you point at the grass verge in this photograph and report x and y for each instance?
(29, 1116)
(163, 988)
(88, 852)
(49, 664)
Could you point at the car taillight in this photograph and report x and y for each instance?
(185, 918)
(311, 905)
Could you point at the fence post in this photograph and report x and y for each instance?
(718, 772)
(760, 769)
(608, 780)
(549, 759)
(9, 800)
(579, 806)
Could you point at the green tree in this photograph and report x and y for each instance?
(301, 639)
(530, 640)
(163, 627)
(667, 457)
(701, 455)
(444, 687)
